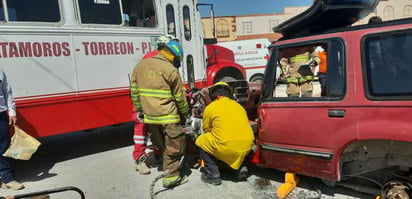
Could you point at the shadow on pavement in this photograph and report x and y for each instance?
(68, 146)
(309, 184)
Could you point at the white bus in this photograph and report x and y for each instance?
(69, 60)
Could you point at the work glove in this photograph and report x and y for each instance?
(188, 120)
(140, 117)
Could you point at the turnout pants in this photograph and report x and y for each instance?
(171, 140)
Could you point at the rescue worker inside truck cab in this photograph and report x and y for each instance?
(160, 96)
(228, 136)
(297, 66)
(321, 50)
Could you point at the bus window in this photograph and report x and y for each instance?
(186, 23)
(170, 15)
(31, 11)
(190, 71)
(100, 12)
(140, 12)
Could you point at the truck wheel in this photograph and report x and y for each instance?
(256, 78)
(226, 79)
(395, 189)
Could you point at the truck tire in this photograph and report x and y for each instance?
(226, 79)
(256, 78)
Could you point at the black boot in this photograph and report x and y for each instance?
(211, 180)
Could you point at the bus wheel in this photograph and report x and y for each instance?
(397, 189)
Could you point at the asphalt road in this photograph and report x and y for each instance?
(100, 164)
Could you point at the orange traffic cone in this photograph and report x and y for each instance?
(201, 162)
(291, 180)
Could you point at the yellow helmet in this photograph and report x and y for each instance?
(220, 85)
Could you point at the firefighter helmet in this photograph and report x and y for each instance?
(165, 39)
(218, 85)
(175, 47)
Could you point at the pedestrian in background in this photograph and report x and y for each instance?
(7, 118)
(159, 94)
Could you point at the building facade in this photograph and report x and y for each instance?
(242, 27)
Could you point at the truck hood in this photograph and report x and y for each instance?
(325, 15)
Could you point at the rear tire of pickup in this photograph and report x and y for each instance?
(397, 189)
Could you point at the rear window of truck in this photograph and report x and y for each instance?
(388, 65)
(321, 77)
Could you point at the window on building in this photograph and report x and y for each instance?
(31, 11)
(407, 11)
(273, 23)
(141, 13)
(247, 27)
(186, 23)
(222, 28)
(294, 67)
(388, 13)
(387, 65)
(100, 12)
(170, 17)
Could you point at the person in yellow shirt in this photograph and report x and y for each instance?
(228, 136)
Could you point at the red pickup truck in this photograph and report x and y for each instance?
(358, 134)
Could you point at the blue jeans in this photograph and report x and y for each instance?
(6, 172)
(322, 81)
(211, 168)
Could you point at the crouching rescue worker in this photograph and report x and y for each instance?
(227, 137)
(160, 96)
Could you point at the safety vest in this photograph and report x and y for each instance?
(323, 62)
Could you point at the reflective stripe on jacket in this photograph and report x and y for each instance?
(299, 79)
(157, 90)
(297, 74)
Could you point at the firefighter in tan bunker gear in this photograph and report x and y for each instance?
(297, 65)
(158, 93)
